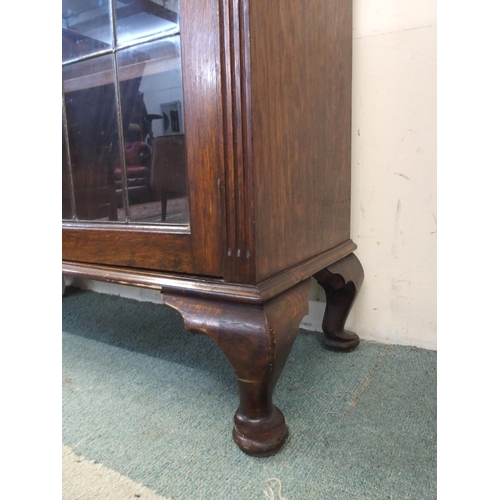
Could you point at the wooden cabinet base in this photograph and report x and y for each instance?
(256, 339)
(254, 328)
(262, 177)
(341, 282)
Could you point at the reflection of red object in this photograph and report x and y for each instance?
(135, 172)
(137, 153)
(137, 159)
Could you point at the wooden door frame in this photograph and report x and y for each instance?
(198, 250)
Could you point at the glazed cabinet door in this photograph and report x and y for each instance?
(141, 134)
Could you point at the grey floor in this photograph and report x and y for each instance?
(154, 403)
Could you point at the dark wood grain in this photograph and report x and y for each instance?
(129, 248)
(257, 341)
(267, 117)
(119, 245)
(207, 287)
(341, 282)
(301, 128)
(267, 123)
(238, 182)
(295, 274)
(186, 285)
(200, 54)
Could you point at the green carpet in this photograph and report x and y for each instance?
(155, 403)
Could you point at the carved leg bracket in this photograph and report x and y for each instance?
(341, 282)
(257, 340)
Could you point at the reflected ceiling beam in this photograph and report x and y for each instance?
(136, 7)
(148, 7)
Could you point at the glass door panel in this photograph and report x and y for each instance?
(124, 116)
(152, 115)
(86, 26)
(90, 101)
(138, 19)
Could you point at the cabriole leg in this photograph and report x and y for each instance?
(341, 282)
(257, 340)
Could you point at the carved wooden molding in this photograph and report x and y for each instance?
(238, 193)
(210, 287)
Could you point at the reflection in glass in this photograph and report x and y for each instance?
(67, 211)
(90, 101)
(126, 164)
(86, 28)
(136, 19)
(152, 114)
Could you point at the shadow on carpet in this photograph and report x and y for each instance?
(150, 400)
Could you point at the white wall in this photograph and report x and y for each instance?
(394, 174)
(160, 88)
(394, 171)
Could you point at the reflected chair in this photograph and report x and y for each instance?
(168, 177)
